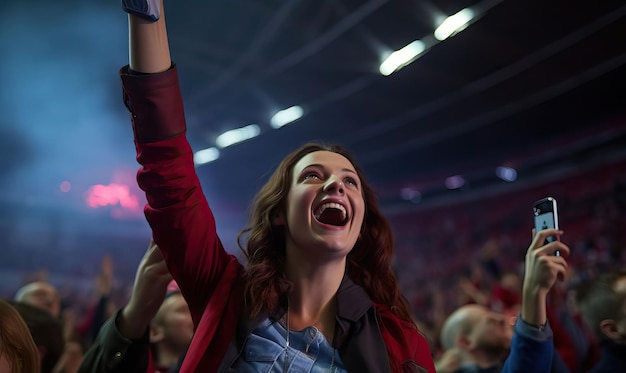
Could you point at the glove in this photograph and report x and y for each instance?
(148, 9)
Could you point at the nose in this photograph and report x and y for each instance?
(334, 185)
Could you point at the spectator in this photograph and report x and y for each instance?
(42, 295)
(318, 288)
(171, 330)
(151, 333)
(602, 304)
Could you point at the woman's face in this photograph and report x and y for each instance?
(324, 208)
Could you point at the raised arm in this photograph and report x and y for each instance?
(543, 268)
(532, 346)
(149, 49)
(181, 220)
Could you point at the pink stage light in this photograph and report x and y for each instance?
(111, 195)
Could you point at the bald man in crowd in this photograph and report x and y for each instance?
(41, 295)
(480, 336)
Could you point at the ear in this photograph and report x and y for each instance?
(279, 219)
(609, 329)
(156, 334)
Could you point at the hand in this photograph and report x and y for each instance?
(449, 362)
(69, 323)
(104, 281)
(148, 293)
(543, 268)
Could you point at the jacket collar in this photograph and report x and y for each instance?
(352, 303)
(352, 300)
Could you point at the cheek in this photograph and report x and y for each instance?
(359, 210)
(298, 203)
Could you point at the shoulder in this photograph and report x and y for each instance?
(405, 344)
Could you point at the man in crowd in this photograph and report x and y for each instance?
(41, 295)
(602, 304)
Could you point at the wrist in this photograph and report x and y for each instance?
(132, 324)
(534, 292)
(533, 310)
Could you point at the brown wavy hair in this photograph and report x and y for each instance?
(16, 342)
(368, 263)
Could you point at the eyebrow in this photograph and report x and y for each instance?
(322, 166)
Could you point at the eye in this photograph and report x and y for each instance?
(311, 175)
(351, 181)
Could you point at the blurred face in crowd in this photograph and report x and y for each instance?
(41, 295)
(172, 324)
(325, 206)
(490, 332)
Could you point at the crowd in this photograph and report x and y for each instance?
(466, 302)
(484, 244)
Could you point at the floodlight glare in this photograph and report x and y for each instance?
(453, 24)
(402, 57)
(286, 116)
(237, 135)
(206, 156)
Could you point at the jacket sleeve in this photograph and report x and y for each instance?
(531, 349)
(114, 353)
(182, 222)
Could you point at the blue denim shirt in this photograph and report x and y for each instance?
(309, 351)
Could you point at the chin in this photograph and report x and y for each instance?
(338, 244)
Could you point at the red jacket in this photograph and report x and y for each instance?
(209, 278)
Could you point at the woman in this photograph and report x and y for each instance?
(318, 293)
(18, 352)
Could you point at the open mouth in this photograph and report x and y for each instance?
(331, 213)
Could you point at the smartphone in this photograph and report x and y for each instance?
(546, 217)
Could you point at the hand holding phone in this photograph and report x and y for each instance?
(546, 217)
